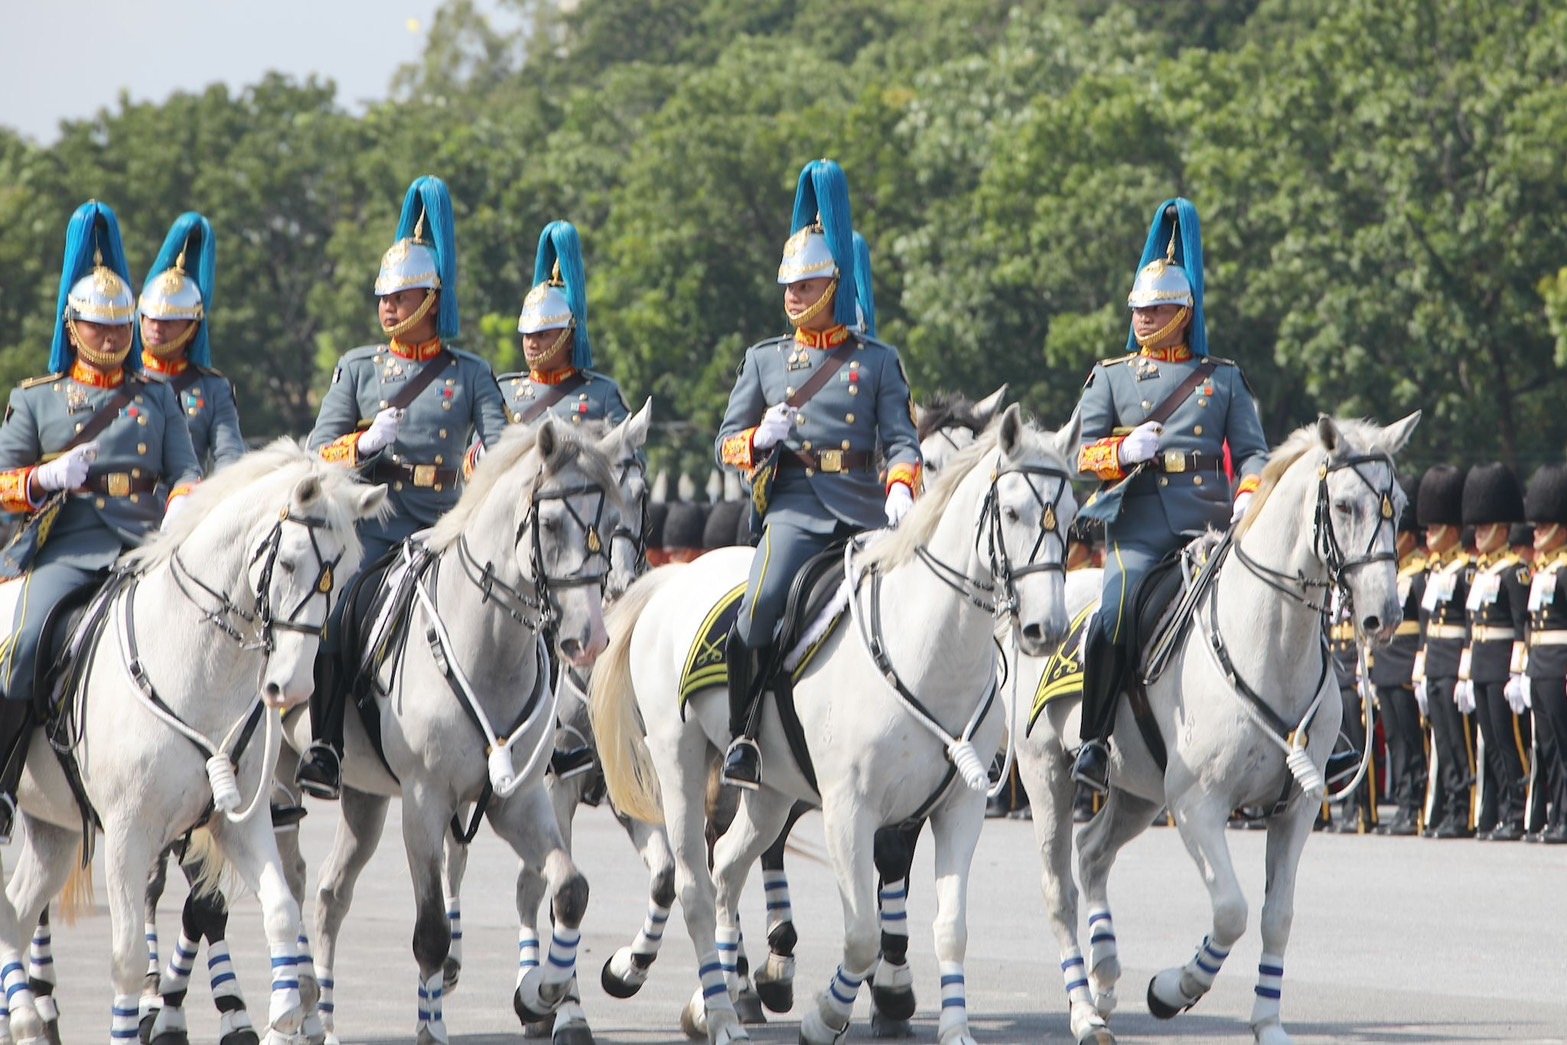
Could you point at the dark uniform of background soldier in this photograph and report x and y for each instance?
(1392, 669)
(1443, 634)
(813, 464)
(1169, 476)
(1356, 812)
(1492, 666)
(1545, 505)
(416, 448)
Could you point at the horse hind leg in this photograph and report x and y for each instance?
(760, 824)
(41, 978)
(358, 834)
(627, 969)
(1123, 817)
(774, 983)
(204, 917)
(892, 984)
(1287, 836)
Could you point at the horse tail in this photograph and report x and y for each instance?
(612, 707)
(205, 865)
(77, 896)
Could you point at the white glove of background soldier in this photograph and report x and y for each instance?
(899, 501)
(775, 427)
(1464, 696)
(1517, 693)
(1420, 697)
(69, 470)
(382, 431)
(1142, 442)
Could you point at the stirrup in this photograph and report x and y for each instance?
(1091, 767)
(742, 764)
(328, 785)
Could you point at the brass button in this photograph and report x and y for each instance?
(849, 418)
(855, 365)
(1164, 481)
(800, 418)
(78, 426)
(135, 498)
(141, 448)
(451, 380)
(854, 390)
(383, 404)
(788, 391)
(1202, 402)
(135, 473)
(845, 444)
(191, 412)
(439, 459)
(439, 487)
(1147, 405)
(576, 419)
(446, 404)
(398, 485)
(1196, 480)
(442, 433)
(805, 445)
(583, 398)
(98, 502)
(810, 472)
(141, 419)
(1197, 430)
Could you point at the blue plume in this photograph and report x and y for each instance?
(1179, 216)
(93, 228)
(428, 197)
(865, 296)
(192, 233)
(824, 191)
(560, 242)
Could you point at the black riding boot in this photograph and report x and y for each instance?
(743, 760)
(16, 729)
(1104, 670)
(320, 772)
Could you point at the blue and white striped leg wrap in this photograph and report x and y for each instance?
(123, 1017)
(1101, 936)
(325, 1006)
(1270, 989)
(894, 898)
(561, 964)
(151, 931)
(40, 956)
(1076, 977)
(779, 910)
(841, 992)
(953, 992)
(454, 919)
(285, 983)
(430, 1000)
(176, 977)
(1206, 963)
(714, 991)
(220, 969)
(728, 938)
(527, 952)
(651, 936)
(13, 979)
(304, 962)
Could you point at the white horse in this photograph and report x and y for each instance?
(1247, 706)
(987, 538)
(468, 683)
(222, 615)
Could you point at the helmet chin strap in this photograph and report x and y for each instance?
(97, 357)
(810, 312)
(1153, 340)
(560, 341)
(164, 353)
(399, 329)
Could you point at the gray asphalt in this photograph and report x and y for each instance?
(1396, 940)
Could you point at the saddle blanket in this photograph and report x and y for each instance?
(706, 664)
(1063, 674)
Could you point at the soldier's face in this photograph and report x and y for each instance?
(1549, 538)
(155, 332)
(1441, 538)
(1490, 537)
(400, 307)
(547, 349)
(802, 295)
(101, 339)
(1149, 321)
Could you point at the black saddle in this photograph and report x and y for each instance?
(67, 636)
(811, 591)
(1151, 600)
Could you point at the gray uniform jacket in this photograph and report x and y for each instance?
(864, 407)
(440, 424)
(212, 415)
(597, 399)
(1122, 392)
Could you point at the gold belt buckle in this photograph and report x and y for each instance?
(424, 475)
(118, 484)
(1174, 461)
(830, 460)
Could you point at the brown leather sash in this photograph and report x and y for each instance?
(556, 393)
(1172, 402)
(101, 417)
(823, 374)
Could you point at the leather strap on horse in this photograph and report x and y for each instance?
(535, 410)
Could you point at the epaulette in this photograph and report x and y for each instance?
(34, 382)
(1113, 360)
(463, 353)
(1222, 361)
(211, 371)
(867, 339)
(1416, 563)
(362, 352)
(768, 342)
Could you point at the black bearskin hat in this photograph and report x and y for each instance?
(683, 528)
(1546, 499)
(657, 514)
(1492, 495)
(721, 526)
(1441, 497)
(1521, 535)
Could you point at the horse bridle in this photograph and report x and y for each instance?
(999, 593)
(636, 535)
(224, 615)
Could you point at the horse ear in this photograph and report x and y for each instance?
(985, 409)
(1328, 433)
(547, 438)
(307, 492)
(369, 501)
(1395, 435)
(1067, 440)
(636, 426)
(917, 412)
(1011, 432)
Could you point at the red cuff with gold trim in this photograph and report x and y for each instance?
(470, 460)
(179, 491)
(738, 450)
(908, 474)
(1248, 485)
(15, 490)
(344, 450)
(1102, 457)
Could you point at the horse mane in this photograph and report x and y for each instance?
(1355, 434)
(896, 547)
(947, 410)
(573, 445)
(281, 464)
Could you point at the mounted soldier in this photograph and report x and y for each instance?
(805, 419)
(403, 412)
(85, 450)
(1156, 424)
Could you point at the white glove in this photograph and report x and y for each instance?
(1142, 442)
(69, 470)
(382, 431)
(1421, 699)
(1517, 693)
(1464, 696)
(899, 501)
(775, 427)
(1242, 502)
(172, 510)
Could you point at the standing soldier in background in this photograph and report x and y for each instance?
(403, 412)
(1392, 669)
(1491, 671)
(1545, 685)
(1356, 812)
(1443, 634)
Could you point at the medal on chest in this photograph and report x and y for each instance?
(193, 400)
(799, 359)
(76, 399)
(1146, 369)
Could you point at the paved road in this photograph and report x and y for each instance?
(1396, 940)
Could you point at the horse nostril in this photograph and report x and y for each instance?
(272, 691)
(1371, 624)
(1034, 633)
(571, 647)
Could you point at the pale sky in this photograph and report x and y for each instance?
(67, 59)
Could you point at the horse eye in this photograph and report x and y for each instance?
(285, 565)
(1010, 513)
(1343, 508)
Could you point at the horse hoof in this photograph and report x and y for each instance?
(169, 1037)
(1271, 1033)
(1104, 1003)
(536, 1030)
(814, 1030)
(748, 1006)
(52, 1032)
(1165, 1010)
(573, 1034)
(895, 1004)
(450, 970)
(1096, 1036)
(243, 1036)
(776, 995)
(886, 1028)
(625, 983)
(693, 1019)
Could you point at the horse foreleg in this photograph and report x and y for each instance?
(157, 881)
(850, 843)
(129, 850)
(43, 864)
(1287, 836)
(358, 834)
(892, 984)
(204, 917)
(425, 819)
(1123, 817)
(455, 869)
(627, 969)
(955, 831)
(41, 975)
(757, 824)
(1201, 819)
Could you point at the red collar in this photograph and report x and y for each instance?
(552, 377)
(1169, 354)
(832, 337)
(421, 353)
(83, 374)
(170, 367)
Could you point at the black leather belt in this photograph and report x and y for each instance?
(419, 476)
(834, 462)
(1175, 461)
(121, 484)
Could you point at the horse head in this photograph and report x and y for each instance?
(949, 423)
(628, 540)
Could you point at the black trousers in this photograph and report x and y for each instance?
(1406, 749)
(1549, 697)
(1506, 738)
(1453, 772)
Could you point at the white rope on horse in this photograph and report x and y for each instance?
(503, 777)
(1368, 702)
